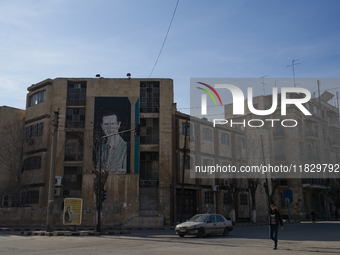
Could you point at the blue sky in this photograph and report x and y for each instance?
(212, 39)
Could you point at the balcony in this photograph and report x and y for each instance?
(333, 124)
(312, 135)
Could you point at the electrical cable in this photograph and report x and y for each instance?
(159, 54)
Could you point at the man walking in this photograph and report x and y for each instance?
(313, 215)
(274, 221)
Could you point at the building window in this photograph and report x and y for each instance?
(309, 152)
(149, 165)
(188, 128)
(32, 163)
(37, 98)
(301, 150)
(149, 96)
(76, 93)
(227, 198)
(280, 155)
(74, 146)
(149, 131)
(30, 197)
(207, 134)
(34, 130)
(72, 181)
(278, 131)
(75, 118)
(243, 199)
(225, 138)
(188, 163)
(241, 142)
(208, 197)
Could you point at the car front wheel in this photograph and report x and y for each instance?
(226, 231)
(181, 235)
(200, 232)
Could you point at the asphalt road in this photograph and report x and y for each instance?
(304, 238)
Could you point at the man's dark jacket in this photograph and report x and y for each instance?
(278, 218)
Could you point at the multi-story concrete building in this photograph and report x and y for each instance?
(209, 146)
(136, 170)
(314, 140)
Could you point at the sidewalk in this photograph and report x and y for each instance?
(65, 231)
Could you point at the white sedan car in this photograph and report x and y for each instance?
(204, 224)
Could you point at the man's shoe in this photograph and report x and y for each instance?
(275, 248)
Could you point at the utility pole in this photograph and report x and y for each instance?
(184, 162)
(50, 202)
(99, 190)
(262, 81)
(292, 65)
(266, 185)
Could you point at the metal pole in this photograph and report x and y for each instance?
(99, 201)
(50, 202)
(184, 162)
(266, 184)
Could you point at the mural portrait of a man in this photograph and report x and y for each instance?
(112, 118)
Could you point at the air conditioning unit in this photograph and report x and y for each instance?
(215, 188)
(225, 182)
(7, 200)
(57, 192)
(57, 181)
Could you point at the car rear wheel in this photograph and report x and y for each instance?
(200, 232)
(181, 235)
(226, 231)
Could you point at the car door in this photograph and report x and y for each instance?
(211, 225)
(220, 224)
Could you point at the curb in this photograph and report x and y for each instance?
(69, 233)
(90, 230)
(261, 224)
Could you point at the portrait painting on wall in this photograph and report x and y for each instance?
(112, 116)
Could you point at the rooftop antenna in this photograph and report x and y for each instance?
(262, 81)
(292, 65)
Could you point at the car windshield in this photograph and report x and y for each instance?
(199, 218)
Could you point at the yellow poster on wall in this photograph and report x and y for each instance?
(73, 208)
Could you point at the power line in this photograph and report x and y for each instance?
(159, 54)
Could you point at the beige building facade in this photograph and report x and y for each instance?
(314, 140)
(96, 130)
(218, 193)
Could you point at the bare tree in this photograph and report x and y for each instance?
(11, 153)
(255, 157)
